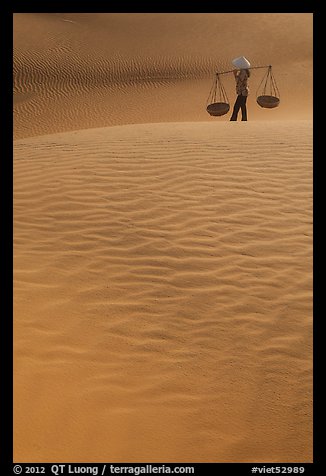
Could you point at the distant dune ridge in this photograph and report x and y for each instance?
(91, 70)
(162, 258)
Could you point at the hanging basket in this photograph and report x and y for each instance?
(217, 102)
(218, 108)
(268, 95)
(268, 101)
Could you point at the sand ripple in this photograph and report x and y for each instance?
(163, 293)
(93, 70)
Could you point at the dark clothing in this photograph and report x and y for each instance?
(240, 103)
(241, 80)
(242, 89)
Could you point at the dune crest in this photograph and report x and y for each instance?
(163, 293)
(162, 257)
(75, 71)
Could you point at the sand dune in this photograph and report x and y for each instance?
(75, 71)
(162, 257)
(163, 293)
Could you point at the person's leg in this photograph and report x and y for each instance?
(244, 108)
(236, 108)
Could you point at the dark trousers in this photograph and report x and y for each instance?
(239, 103)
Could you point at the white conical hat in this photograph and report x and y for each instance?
(241, 62)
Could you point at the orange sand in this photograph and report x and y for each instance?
(162, 269)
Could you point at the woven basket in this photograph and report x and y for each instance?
(268, 101)
(218, 108)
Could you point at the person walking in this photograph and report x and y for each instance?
(241, 78)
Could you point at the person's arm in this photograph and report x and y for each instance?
(243, 75)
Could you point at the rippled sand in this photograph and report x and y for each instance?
(74, 71)
(163, 293)
(162, 268)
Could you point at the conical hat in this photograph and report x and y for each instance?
(241, 62)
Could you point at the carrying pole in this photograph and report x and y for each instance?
(253, 67)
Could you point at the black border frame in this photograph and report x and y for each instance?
(6, 201)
